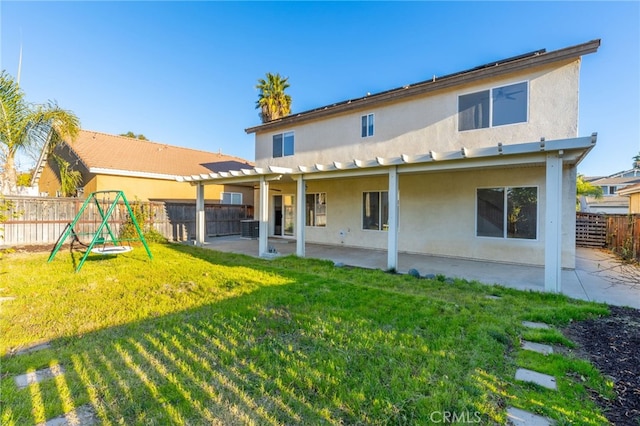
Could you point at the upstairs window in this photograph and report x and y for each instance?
(283, 144)
(231, 198)
(494, 107)
(367, 125)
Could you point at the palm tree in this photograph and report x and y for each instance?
(272, 102)
(586, 189)
(26, 126)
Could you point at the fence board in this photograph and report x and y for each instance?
(623, 235)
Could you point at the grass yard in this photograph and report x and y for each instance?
(201, 337)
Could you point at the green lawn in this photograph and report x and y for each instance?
(200, 337)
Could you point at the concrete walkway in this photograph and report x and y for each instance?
(599, 276)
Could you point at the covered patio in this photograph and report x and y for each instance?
(553, 156)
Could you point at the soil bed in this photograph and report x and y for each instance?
(612, 344)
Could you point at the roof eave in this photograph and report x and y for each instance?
(432, 85)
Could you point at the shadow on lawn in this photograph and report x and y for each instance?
(312, 351)
(246, 359)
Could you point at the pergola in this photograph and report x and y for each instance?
(552, 155)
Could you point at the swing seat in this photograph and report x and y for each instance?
(111, 250)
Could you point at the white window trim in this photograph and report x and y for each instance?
(505, 219)
(491, 89)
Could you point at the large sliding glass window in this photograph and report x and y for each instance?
(510, 212)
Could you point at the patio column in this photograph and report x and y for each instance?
(263, 216)
(300, 216)
(553, 224)
(200, 217)
(392, 236)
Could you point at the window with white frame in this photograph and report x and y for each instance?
(231, 198)
(283, 144)
(367, 125)
(498, 106)
(507, 212)
(375, 210)
(316, 209)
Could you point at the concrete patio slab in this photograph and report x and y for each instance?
(599, 276)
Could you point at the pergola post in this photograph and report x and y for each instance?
(263, 239)
(553, 224)
(200, 215)
(392, 236)
(300, 216)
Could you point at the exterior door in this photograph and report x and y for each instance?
(283, 215)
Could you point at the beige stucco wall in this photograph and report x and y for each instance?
(634, 203)
(431, 123)
(437, 214)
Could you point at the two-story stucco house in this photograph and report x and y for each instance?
(480, 164)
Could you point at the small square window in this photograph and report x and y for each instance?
(283, 144)
(367, 125)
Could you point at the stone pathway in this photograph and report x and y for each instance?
(516, 416)
(81, 416)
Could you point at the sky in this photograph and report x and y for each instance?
(184, 73)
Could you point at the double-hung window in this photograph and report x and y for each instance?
(316, 209)
(375, 210)
(510, 212)
(367, 125)
(283, 144)
(231, 198)
(494, 107)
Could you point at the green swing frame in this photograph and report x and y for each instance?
(98, 237)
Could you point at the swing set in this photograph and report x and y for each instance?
(103, 239)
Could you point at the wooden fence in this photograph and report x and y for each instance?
(623, 235)
(591, 230)
(618, 232)
(37, 220)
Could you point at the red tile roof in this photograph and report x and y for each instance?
(104, 151)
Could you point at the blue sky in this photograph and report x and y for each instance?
(184, 73)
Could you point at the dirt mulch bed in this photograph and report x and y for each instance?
(612, 344)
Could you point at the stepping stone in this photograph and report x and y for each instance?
(81, 416)
(24, 380)
(544, 380)
(518, 417)
(537, 347)
(540, 325)
(492, 297)
(33, 348)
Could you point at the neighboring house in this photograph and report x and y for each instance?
(633, 194)
(480, 165)
(612, 200)
(144, 170)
